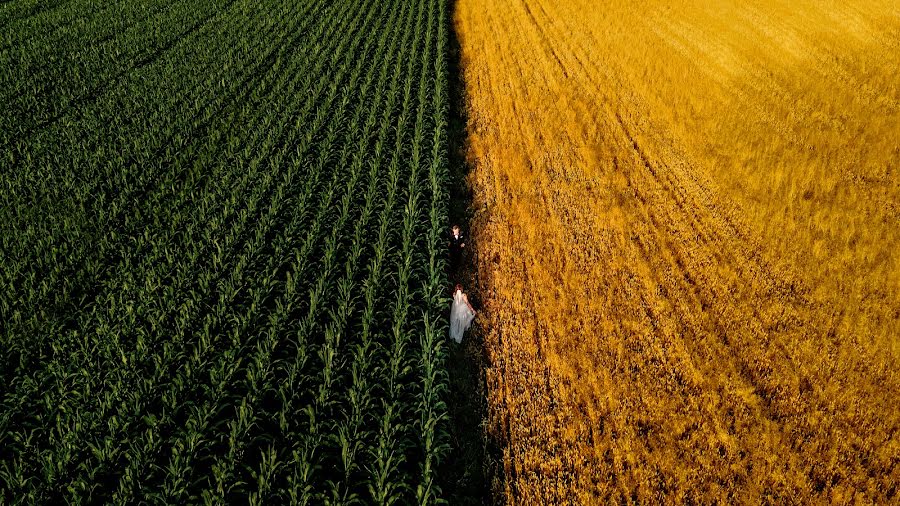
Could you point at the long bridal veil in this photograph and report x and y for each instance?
(460, 317)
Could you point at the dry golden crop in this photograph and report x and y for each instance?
(687, 220)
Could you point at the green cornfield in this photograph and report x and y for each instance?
(223, 275)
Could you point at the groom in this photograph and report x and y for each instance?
(457, 244)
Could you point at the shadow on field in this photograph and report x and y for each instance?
(466, 474)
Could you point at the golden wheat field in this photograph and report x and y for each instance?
(687, 222)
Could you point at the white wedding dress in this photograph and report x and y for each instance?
(460, 317)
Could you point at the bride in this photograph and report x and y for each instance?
(461, 314)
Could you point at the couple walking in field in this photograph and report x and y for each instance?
(461, 311)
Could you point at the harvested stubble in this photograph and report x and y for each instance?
(687, 217)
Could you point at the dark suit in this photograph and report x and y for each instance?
(456, 250)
